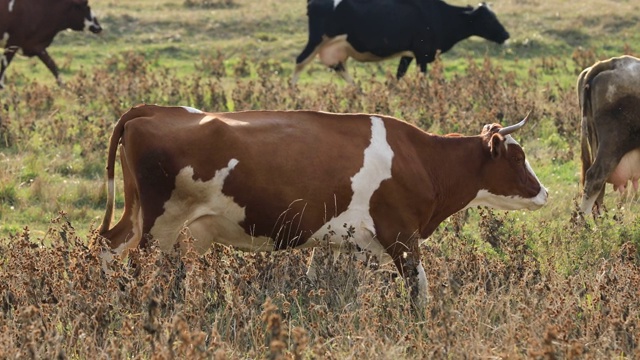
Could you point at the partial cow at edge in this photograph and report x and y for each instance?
(375, 30)
(609, 97)
(275, 180)
(29, 26)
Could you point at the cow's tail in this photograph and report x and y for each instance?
(114, 142)
(589, 137)
(584, 99)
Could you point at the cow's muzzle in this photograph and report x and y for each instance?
(505, 36)
(92, 24)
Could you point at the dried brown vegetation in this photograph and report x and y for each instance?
(57, 303)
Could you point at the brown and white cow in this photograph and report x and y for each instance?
(273, 180)
(609, 96)
(31, 25)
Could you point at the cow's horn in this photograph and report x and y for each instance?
(509, 129)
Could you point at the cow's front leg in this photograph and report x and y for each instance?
(410, 267)
(8, 55)
(51, 65)
(423, 66)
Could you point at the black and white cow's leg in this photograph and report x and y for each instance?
(405, 61)
(51, 65)
(423, 67)
(606, 160)
(341, 69)
(8, 55)
(316, 29)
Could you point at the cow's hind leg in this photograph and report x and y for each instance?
(605, 163)
(341, 69)
(405, 61)
(8, 55)
(316, 30)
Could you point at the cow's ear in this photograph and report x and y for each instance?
(496, 145)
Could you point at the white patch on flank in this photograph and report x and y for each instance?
(207, 214)
(11, 3)
(192, 110)
(355, 225)
(501, 202)
(336, 3)
(4, 39)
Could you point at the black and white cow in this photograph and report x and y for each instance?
(374, 30)
(609, 96)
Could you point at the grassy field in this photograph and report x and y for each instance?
(502, 284)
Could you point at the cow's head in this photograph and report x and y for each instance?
(508, 181)
(80, 16)
(486, 24)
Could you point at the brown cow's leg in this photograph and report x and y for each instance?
(8, 55)
(51, 65)
(126, 234)
(407, 260)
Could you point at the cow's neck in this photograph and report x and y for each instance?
(457, 175)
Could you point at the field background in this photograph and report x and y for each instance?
(502, 284)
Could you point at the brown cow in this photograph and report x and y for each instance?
(31, 25)
(609, 96)
(272, 180)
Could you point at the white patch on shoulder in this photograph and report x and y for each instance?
(192, 110)
(336, 3)
(4, 39)
(206, 214)
(11, 3)
(355, 225)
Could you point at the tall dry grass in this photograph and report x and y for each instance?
(57, 303)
